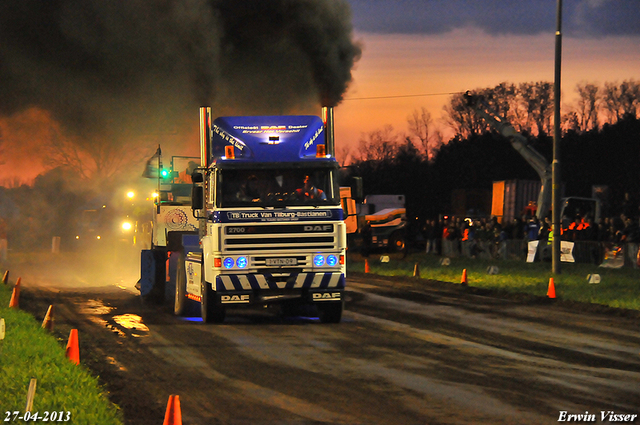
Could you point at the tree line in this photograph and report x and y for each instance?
(600, 146)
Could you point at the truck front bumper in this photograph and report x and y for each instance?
(258, 282)
(264, 289)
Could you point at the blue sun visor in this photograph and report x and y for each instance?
(286, 138)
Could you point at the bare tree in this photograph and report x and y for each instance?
(611, 97)
(97, 160)
(343, 154)
(378, 145)
(422, 128)
(571, 121)
(587, 107)
(462, 118)
(503, 98)
(536, 102)
(630, 90)
(621, 100)
(528, 108)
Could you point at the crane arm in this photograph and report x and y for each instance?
(521, 145)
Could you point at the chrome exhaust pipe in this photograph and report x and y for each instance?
(330, 140)
(205, 136)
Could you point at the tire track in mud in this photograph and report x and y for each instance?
(557, 363)
(443, 356)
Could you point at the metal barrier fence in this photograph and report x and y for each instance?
(516, 249)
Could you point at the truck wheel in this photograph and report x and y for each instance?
(397, 242)
(211, 313)
(182, 305)
(152, 276)
(331, 312)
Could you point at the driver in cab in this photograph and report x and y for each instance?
(249, 192)
(308, 191)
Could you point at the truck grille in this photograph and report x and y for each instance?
(283, 237)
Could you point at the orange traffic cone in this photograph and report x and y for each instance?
(173, 416)
(463, 280)
(366, 265)
(551, 292)
(5, 278)
(73, 352)
(47, 323)
(15, 295)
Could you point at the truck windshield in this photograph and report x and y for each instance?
(276, 188)
(175, 194)
(175, 186)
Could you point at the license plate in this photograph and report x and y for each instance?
(282, 262)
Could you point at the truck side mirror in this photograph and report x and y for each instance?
(356, 189)
(197, 197)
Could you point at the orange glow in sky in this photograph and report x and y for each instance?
(24, 136)
(464, 59)
(396, 68)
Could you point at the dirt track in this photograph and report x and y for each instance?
(406, 352)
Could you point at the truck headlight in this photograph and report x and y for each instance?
(242, 262)
(228, 263)
(318, 261)
(332, 260)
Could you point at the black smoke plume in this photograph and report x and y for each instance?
(135, 67)
(282, 49)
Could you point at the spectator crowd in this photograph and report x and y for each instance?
(488, 238)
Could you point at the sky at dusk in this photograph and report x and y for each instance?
(415, 53)
(434, 48)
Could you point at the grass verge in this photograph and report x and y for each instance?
(28, 351)
(618, 288)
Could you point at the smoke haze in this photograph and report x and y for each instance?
(105, 65)
(123, 72)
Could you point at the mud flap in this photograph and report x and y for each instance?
(330, 305)
(170, 285)
(152, 275)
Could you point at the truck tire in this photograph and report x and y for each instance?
(211, 313)
(330, 312)
(152, 276)
(182, 305)
(397, 242)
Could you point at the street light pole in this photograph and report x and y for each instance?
(557, 136)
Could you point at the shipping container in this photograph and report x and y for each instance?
(511, 198)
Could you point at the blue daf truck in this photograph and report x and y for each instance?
(264, 226)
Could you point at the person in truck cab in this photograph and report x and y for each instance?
(309, 191)
(249, 191)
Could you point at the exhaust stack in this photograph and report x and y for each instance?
(327, 118)
(205, 135)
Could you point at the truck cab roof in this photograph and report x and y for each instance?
(286, 138)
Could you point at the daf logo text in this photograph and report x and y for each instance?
(318, 228)
(326, 296)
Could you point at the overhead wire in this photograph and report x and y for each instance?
(401, 96)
